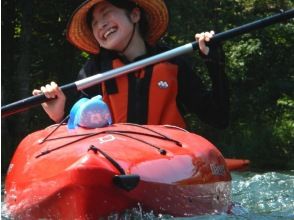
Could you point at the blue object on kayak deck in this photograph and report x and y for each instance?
(89, 113)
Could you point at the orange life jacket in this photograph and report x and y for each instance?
(161, 85)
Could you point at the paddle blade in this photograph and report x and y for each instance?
(237, 164)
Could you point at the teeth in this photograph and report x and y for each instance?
(110, 31)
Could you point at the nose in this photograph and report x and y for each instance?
(99, 25)
(102, 24)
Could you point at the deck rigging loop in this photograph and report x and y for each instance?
(162, 135)
(161, 151)
(58, 125)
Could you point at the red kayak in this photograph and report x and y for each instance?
(57, 173)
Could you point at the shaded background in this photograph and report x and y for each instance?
(260, 66)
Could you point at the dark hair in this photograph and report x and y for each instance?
(127, 5)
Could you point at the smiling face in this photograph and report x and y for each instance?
(112, 27)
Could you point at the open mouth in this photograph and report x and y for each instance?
(109, 32)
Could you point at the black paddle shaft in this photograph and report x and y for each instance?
(283, 16)
(32, 101)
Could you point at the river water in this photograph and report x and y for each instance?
(256, 195)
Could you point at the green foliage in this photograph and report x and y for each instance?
(259, 66)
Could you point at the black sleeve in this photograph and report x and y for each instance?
(90, 68)
(211, 106)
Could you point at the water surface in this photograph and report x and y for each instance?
(256, 195)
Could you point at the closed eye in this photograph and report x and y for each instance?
(94, 23)
(106, 13)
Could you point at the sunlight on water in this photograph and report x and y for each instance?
(265, 195)
(268, 195)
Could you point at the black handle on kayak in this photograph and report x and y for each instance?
(27, 103)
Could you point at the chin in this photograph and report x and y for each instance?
(116, 46)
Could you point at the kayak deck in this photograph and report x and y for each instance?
(96, 172)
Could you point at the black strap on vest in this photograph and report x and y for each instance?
(138, 100)
(106, 65)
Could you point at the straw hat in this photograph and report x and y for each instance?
(80, 35)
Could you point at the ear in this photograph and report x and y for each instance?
(135, 15)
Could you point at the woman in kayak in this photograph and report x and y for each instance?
(119, 32)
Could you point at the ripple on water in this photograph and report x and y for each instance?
(266, 195)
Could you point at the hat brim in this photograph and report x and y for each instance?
(80, 35)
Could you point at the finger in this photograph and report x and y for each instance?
(201, 39)
(47, 90)
(52, 90)
(36, 92)
(201, 36)
(197, 36)
(54, 87)
(208, 36)
(53, 84)
(58, 91)
(44, 91)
